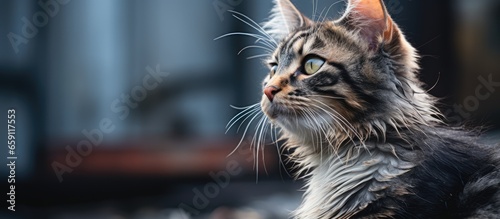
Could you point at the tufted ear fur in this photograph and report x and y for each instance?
(371, 19)
(284, 19)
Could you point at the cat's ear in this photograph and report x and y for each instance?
(371, 19)
(284, 19)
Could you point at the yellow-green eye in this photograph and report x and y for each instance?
(312, 65)
(274, 67)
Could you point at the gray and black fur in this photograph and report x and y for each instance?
(363, 131)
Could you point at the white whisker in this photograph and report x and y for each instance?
(254, 25)
(262, 137)
(237, 117)
(254, 46)
(256, 144)
(258, 56)
(315, 8)
(340, 117)
(275, 140)
(325, 96)
(256, 36)
(246, 129)
(327, 11)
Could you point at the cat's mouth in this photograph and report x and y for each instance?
(293, 117)
(281, 109)
(276, 109)
(273, 110)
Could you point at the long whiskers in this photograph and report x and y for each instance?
(314, 9)
(260, 39)
(275, 141)
(268, 43)
(325, 96)
(250, 22)
(325, 16)
(243, 114)
(254, 46)
(256, 141)
(254, 113)
(329, 110)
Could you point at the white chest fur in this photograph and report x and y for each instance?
(342, 185)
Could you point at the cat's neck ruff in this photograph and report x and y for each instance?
(340, 185)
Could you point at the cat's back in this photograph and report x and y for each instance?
(480, 197)
(456, 177)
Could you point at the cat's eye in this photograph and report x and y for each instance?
(312, 65)
(274, 67)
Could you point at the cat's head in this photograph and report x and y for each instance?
(348, 78)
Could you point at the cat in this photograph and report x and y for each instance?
(365, 135)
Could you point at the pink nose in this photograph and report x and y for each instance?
(270, 91)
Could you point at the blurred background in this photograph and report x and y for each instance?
(121, 105)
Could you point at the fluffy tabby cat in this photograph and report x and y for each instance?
(346, 97)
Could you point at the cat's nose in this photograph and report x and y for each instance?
(270, 91)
